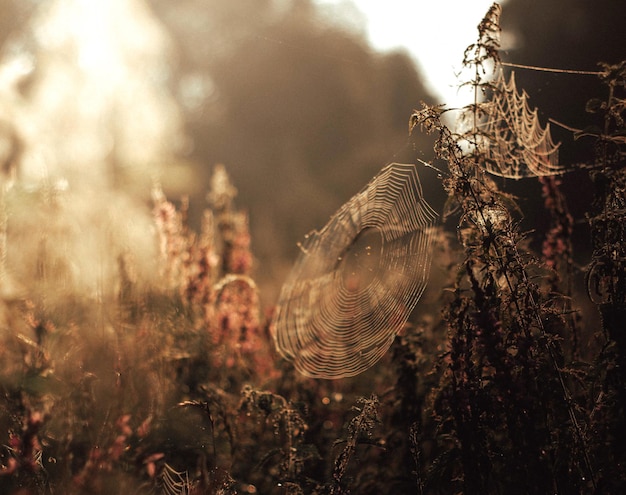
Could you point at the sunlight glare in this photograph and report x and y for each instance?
(101, 70)
(435, 33)
(96, 128)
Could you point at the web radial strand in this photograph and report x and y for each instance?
(512, 140)
(357, 280)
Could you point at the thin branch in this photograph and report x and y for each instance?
(549, 69)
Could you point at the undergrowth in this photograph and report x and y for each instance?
(173, 386)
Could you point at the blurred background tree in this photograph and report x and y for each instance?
(298, 106)
(300, 109)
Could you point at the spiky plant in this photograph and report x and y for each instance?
(504, 394)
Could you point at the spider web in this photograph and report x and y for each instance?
(175, 482)
(512, 140)
(357, 280)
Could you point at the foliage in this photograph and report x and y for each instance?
(171, 385)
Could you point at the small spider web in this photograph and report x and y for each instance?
(357, 280)
(511, 139)
(175, 482)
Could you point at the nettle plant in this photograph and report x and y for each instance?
(174, 385)
(505, 392)
(513, 398)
